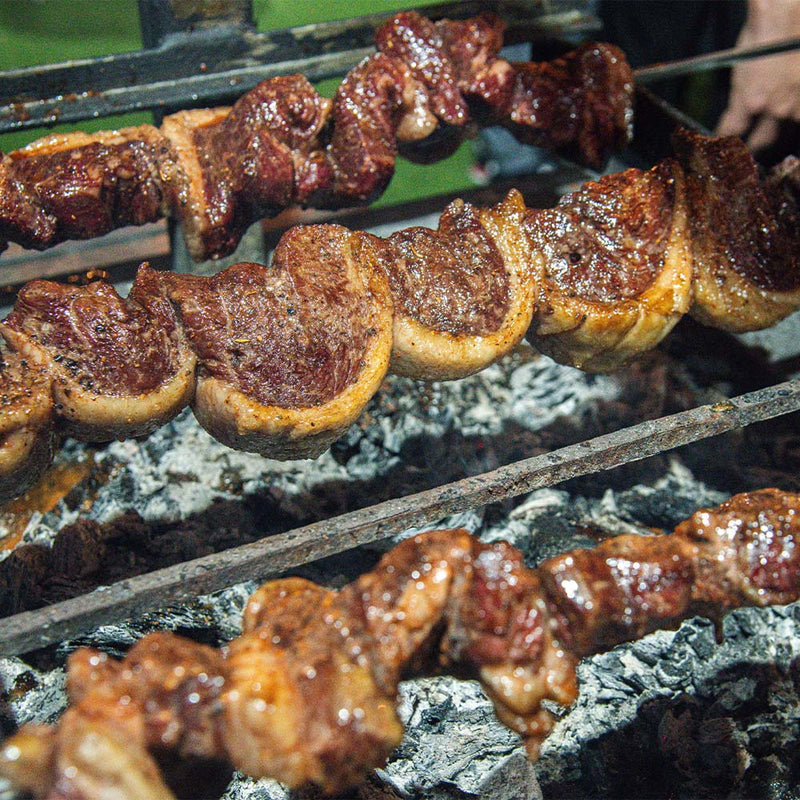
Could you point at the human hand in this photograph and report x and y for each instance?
(765, 92)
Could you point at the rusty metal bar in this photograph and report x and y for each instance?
(276, 554)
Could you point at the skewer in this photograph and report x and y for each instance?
(712, 61)
(276, 554)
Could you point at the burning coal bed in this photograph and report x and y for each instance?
(677, 714)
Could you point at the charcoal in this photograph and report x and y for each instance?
(455, 750)
(677, 714)
(695, 715)
(29, 694)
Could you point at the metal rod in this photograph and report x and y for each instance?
(709, 61)
(169, 93)
(276, 554)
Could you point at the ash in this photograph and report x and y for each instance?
(676, 714)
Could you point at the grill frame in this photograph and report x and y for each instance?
(269, 557)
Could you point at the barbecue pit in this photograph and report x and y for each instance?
(676, 710)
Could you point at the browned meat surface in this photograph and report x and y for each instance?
(617, 267)
(219, 170)
(288, 354)
(363, 147)
(741, 553)
(90, 757)
(417, 42)
(452, 279)
(94, 333)
(294, 334)
(744, 234)
(579, 103)
(307, 693)
(118, 367)
(473, 45)
(463, 294)
(26, 406)
(248, 162)
(78, 186)
(176, 683)
(179, 683)
(606, 242)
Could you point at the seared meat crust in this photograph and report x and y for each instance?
(118, 367)
(307, 694)
(464, 293)
(78, 186)
(27, 439)
(290, 354)
(287, 356)
(744, 234)
(617, 267)
(219, 170)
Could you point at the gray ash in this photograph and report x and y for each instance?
(679, 715)
(674, 715)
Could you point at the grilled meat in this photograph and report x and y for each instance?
(247, 162)
(218, 170)
(277, 360)
(287, 357)
(744, 234)
(307, 693)
(289, 354)
(27, 439)
(463, 294)
(80, 185)
(617, 267)
(118, 367)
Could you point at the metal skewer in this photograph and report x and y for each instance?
(709, 61)
(275, 554)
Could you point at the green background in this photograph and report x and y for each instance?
(45, 31)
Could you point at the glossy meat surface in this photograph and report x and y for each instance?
(606, 242)
(26, 431)
(219, 170)
(473, 46)
(177, 681)
(307, 693)
(103, 342)
(617, 267)
(739, 221)
(253, 160)
(416, 41)
(463, 293)
(293, 334)
(363, 146)
(452, 279)
(76, 186)
(579, 103)
(744, 233)
(117, 367)
(287, 356)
